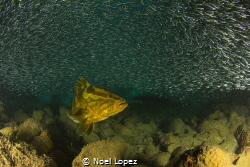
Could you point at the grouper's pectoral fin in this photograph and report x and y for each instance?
(74, 118)
(86, 127)
(78, 116)
(91, 129)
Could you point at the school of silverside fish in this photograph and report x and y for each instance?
(173, 48)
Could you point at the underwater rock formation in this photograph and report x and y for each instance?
(20, 116)
(37, 134)
(211, 156)
(9, 131)
(103, 150)
(31, 131)
(21, 154)
(132, 135)
(166, 48)
(242, 135)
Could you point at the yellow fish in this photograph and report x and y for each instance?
(93, 104)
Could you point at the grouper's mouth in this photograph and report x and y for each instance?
(122, 104)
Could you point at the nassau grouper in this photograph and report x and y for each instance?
(93, 104)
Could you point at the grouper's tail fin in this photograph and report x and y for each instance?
(81, 84)
(87, 128)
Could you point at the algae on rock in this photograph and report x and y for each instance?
(102, 150)
(32, 131)
(21, 154)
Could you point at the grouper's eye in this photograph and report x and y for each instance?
(110, 96)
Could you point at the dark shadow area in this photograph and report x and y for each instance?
(26, 102)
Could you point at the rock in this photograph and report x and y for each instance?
(187, 140)
(49, 117)
(213, 131)
(43, 143)
(119, 138)
(3, 116)
(193, 122)
(48, 113)
(63, 114)
(103, 125)
(180, 128)
(49, 121)
(131, 121)
(107, 132)
(219, 125)
(90, 138)
(28, 130)
(209, 138)
(21, 154)
(242, 159)
(134, 118)
(143, 128)
(148, 139)
(122, 130)
(229, 144)
(65, 120)
(161, 159)
(129, 124)
(177, 126)
(180, 150)
(9, 131)
(172, 147)
(241, 110)
(169, 138)
(210, 156)
(103, 150)
(132, 151)
(10, 124)
(38, 115)
(217, 115)
(19, 116)
(150, 150)
(248, 122)
(32, 131)
(242, 136)
(235, 121)
(153, 125)
(69, 126)
(196, 142)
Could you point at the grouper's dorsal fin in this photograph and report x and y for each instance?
(81, 84)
